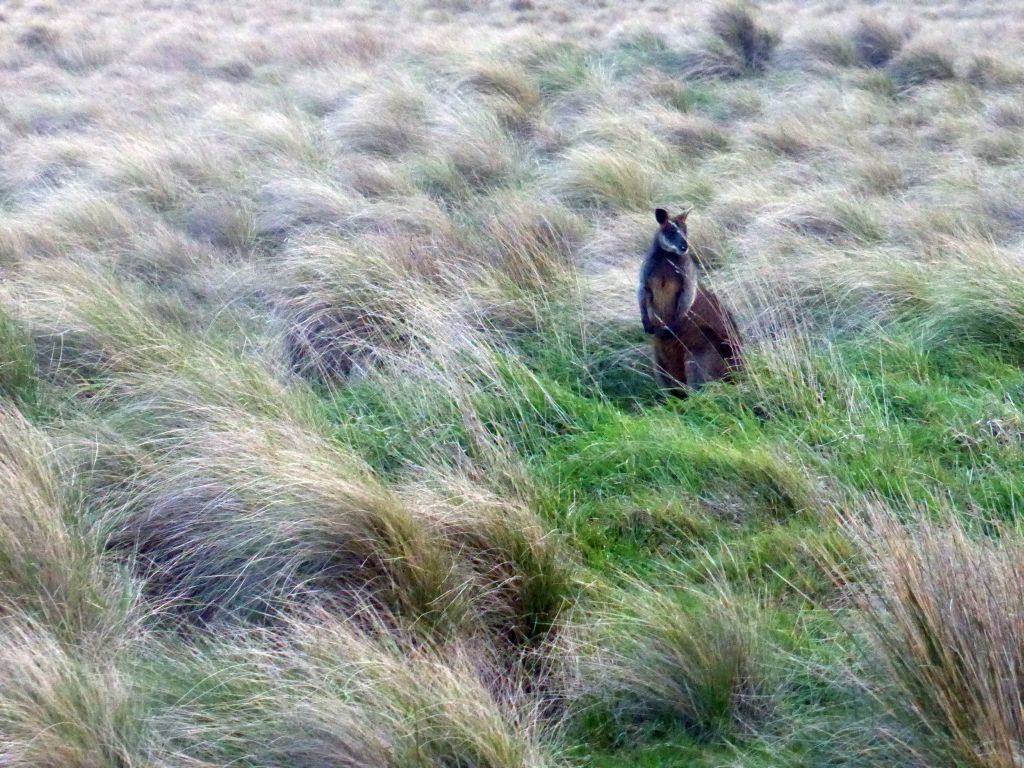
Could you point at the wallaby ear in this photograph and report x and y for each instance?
(661, 215)
(681, 218)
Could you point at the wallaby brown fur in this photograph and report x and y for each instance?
(695, 337)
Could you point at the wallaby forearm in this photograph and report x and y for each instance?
(644, 298)
(689, 293)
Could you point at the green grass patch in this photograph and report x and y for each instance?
(18, 378)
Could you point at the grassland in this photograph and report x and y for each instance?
(329, 435)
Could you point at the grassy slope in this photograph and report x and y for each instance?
(861, 219)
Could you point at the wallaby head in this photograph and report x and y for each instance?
(672, 232)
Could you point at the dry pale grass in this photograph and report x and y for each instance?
(57, 709)
(290, 291)
(90, 323)
(535, 243)
(608, 179)
(387, 120)
(51, 569)
(921, 62)
(942, 611)
(348, 697)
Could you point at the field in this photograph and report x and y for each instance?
(329, 434)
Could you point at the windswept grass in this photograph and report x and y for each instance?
(921, 62)
(665, 659)
(51, 571)
(875, 42)
(17, 366)
(607, 179)
(57, 709)
(329, 435)
(942, 614)
(347, 697)
(740, 30)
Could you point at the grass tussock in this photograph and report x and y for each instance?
(473, 153)
(57, 709)
(790, 138)
(921, 62)
(987, 71)
(737, 26)
(219, 541)
(92, 324)
(714, 62)
(243, 516)
(880, 177)
(348, 311)
(511, 93)
(384, 121)
(294, 206)
(333, 44)
(693, 135)
(534, 244)
(942, 613)
(528, 576)
(602, 178)
(999, 148)
(668, 659)
(875, 43)
(50, 567)
(457, 719)
(943, 296)
(350, 697)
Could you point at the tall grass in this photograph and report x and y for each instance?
(346, 697)
(17, 366)
(59, 709)
(697, 661)
(942, 613)
(51, 571)
(330, 435)
(736, 25)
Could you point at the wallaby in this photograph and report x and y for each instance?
(695, 337)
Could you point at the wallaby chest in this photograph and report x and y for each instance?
(665, 283)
